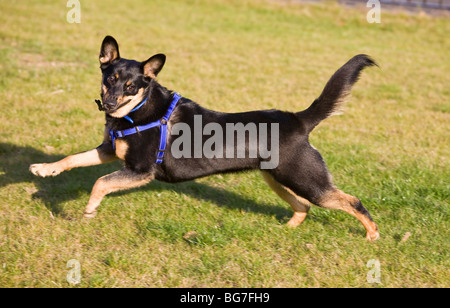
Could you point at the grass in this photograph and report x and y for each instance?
(390, 148)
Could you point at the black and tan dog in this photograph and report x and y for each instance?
(140, 116)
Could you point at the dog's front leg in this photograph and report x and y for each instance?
(119, 180)
(103, 154)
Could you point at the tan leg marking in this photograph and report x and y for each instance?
(84, 159)
(300, 205)
(339, 200)
(121, 148)
(110, 183)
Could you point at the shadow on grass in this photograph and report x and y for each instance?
(53, 191)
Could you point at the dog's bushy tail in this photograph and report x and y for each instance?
(336, 89)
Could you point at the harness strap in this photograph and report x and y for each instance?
(134, 109)
(162, 123)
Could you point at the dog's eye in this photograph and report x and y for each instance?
(131, 88)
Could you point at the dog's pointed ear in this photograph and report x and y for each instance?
(109, 51)
(154, 65)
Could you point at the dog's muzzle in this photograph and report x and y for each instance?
(107, 107)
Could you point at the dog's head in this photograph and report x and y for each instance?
(125, 83)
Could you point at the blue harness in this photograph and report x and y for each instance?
(162, 123)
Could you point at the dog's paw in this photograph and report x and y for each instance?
(44, 170)
(89, 215)
(372, 237)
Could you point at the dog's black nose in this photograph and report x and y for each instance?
(108, 105)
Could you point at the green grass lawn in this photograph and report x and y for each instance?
(390, 148)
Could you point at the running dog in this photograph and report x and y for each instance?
(142, 116)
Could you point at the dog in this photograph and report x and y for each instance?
(143, 119)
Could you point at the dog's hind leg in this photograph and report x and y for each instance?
(337, 199)
(309, 178)
(119, 180)
(300, 205)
